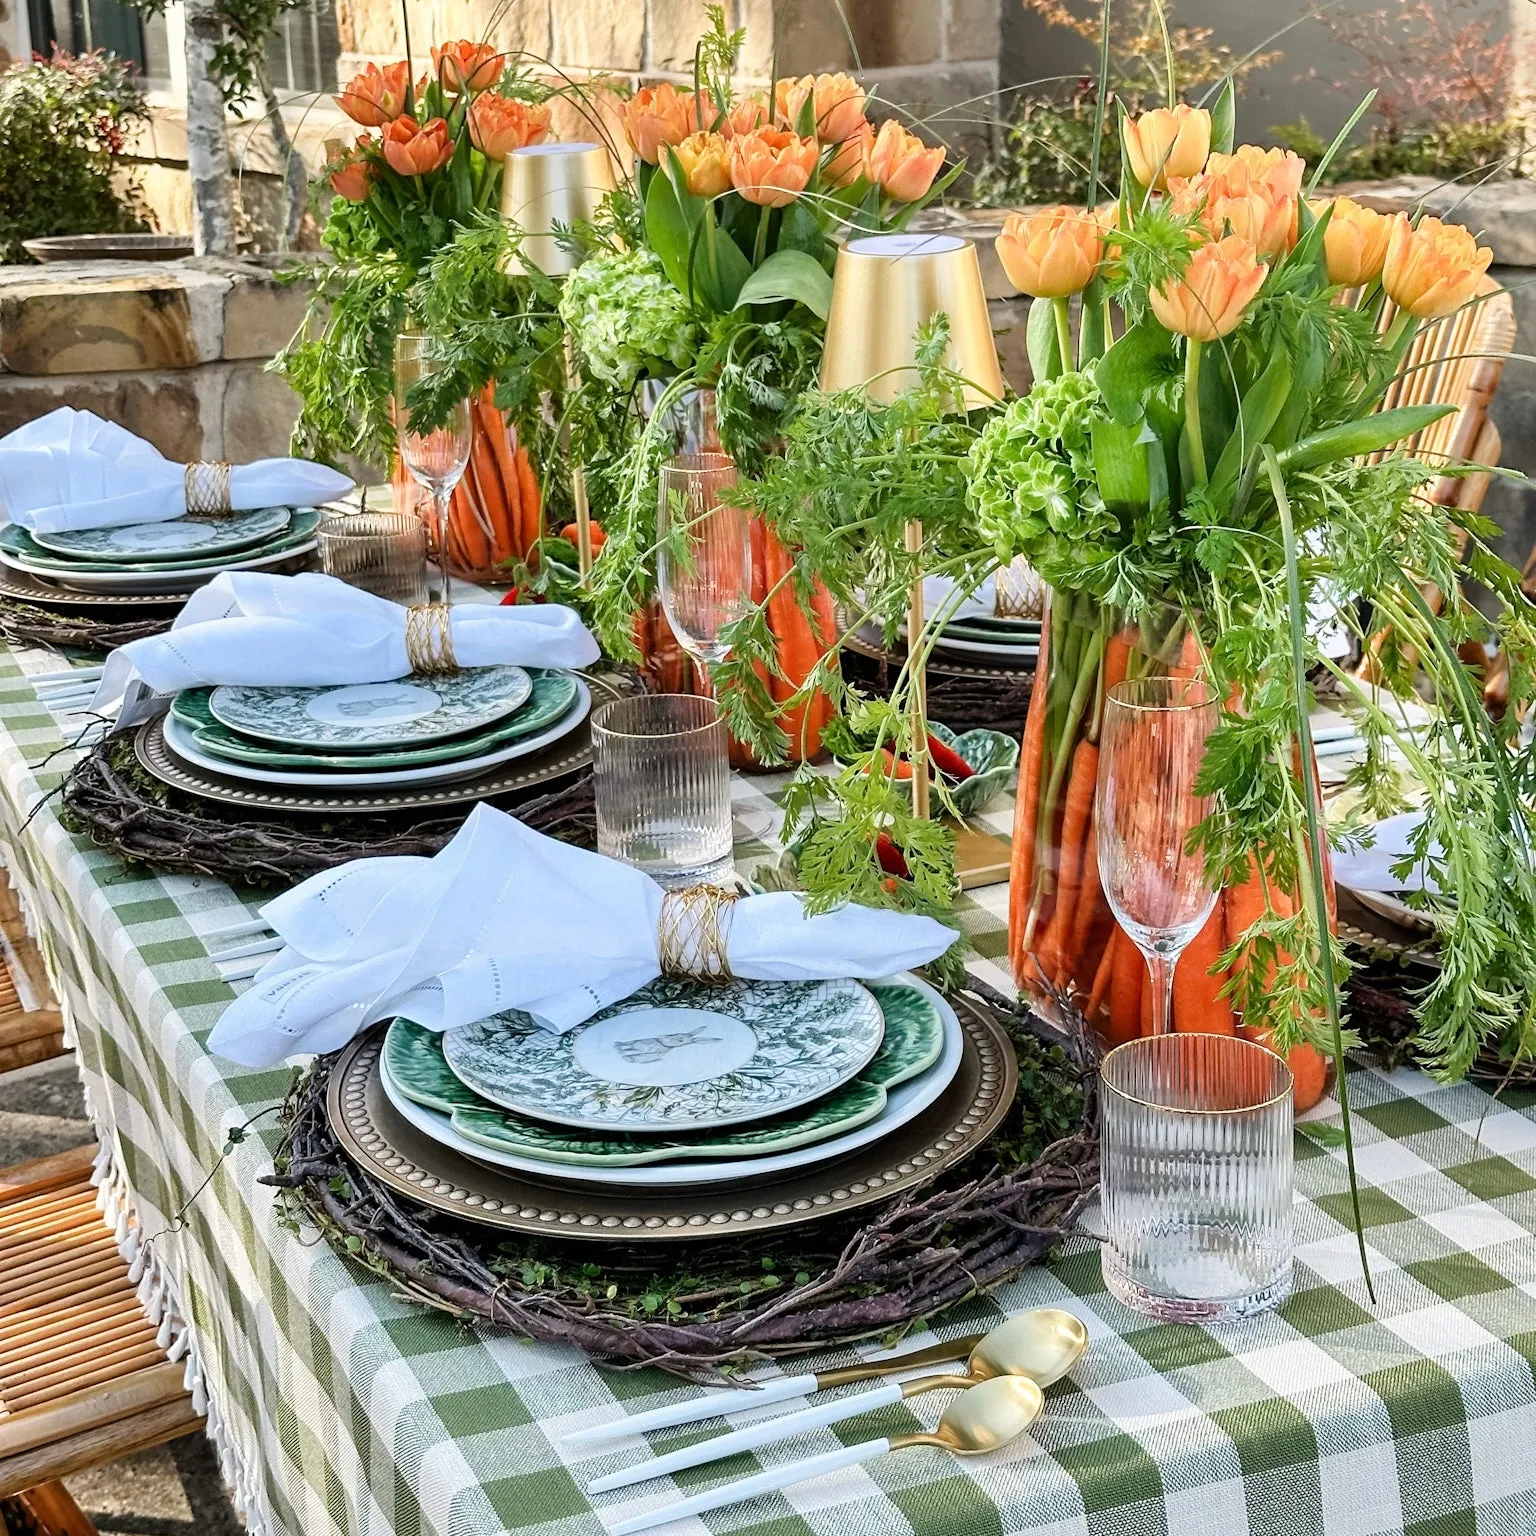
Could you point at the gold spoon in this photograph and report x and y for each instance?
(985, 1418)
(1040, 1346)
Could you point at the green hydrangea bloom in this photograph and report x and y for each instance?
(627, 318)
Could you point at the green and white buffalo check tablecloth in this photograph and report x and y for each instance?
(341, 1408)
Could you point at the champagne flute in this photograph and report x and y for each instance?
(1153, 741)
(436, 458)
(704, 571)
(704, 554)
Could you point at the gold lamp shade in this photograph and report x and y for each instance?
(546, 185)
(883, 288)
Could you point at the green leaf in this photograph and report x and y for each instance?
(1138, 361)
(1355, 439)
(799, 230)
(792, 275)
(1323, 1135)
(1256, 417)
(1132, 194)
(1040, 341)
(1223, 118)
(1120, 466)
(670, 233)
(1090, 329)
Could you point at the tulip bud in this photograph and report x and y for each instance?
(706, 162)
(1354, 243)
(1168, 142)
(1218, 285)
(1432, 269)
(771, 167)
(902, 165)
(1052, 253)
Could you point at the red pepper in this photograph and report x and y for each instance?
(947, 760)
(891, 858)
(510, 600)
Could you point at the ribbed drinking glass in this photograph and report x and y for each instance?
(1196, 1144)
(382, 552)
(663, 786)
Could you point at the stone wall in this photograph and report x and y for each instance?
(931, 59)
(174, 351)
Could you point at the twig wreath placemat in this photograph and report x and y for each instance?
(109, 797)
(712, 1305)
(23, 623)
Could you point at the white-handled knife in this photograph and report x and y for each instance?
(735, 1400)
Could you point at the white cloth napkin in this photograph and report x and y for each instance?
(314, 631)
(1370, 869)
(505, 917)
(71, 469)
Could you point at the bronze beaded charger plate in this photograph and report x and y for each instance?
(563, 758)
(386, 1147)
(32, 589)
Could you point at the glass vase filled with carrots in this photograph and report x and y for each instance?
(497, 513)
(1067, 951)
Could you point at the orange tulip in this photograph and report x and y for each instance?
(417, 150)
(1355, 242)
(1052, 253)
(377, 96)
(747, 115)
(497, 125)
(662, 114)
(1434, 269)
(837, 105)
(352, 176)
(1248, 165)
(466, 66)
(901, 163)
(846, 163)
(771, 167)
(1218, 285)
(1266, 220)
(706, 162)
(1252, 192)
(1168, 142)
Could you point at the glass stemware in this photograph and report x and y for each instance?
(704, 573)
(1153, 741)
(437, 457)
(704, 554)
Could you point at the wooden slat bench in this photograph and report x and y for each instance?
(82, 1380)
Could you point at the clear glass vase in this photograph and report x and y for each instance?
(1066, 950)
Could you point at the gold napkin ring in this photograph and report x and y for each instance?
(695, 932)
(429, 639)
(207, 488)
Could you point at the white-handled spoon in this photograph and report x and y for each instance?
(985, 1418)
(1041, 1346)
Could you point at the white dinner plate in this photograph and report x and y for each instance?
(153, 582)
(182, 743)
(1005, 650)
(905, 1101)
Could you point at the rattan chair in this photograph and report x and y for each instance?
(82, 1378)
(31, 1027)
(1456, 361)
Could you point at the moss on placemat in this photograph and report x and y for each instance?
(711, 1305)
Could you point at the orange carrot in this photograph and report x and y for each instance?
(1101, 978)
(1077, 813)
(1126, 984)
(1117, 656)
(1026, 812)
(488, 512)
(1198, 1005)
(532, 505)
(507, 543)
(798, 647)
(1092, 921)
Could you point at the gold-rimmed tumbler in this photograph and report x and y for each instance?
(1196, 1143)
